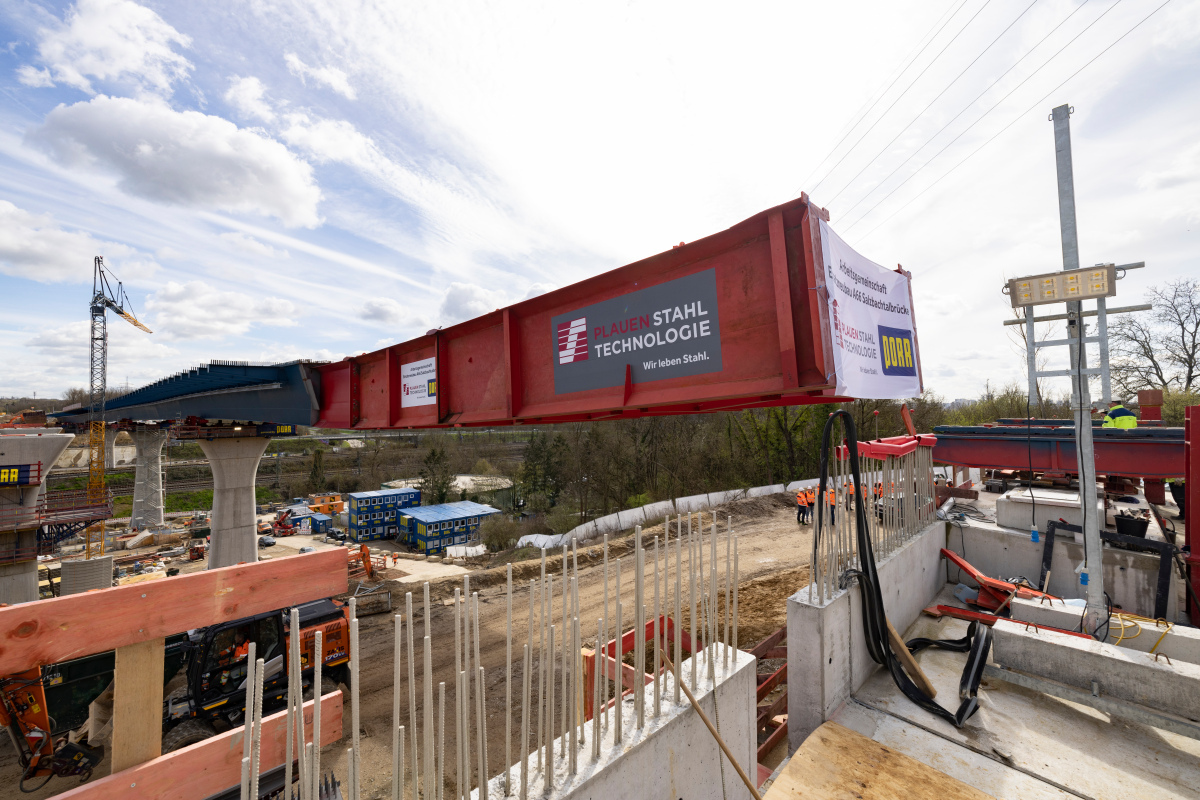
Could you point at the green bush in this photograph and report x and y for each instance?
(499, 532)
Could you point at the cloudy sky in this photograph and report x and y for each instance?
(278, 179)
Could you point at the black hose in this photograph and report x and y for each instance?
(977, 642)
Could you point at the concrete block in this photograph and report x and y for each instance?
(1179, 643)
(1133, 676)
(827, 651)
(1015, 509)
(673, 756)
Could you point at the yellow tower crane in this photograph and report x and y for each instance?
(103, 299)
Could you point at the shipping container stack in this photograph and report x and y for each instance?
(431, 529)
(374, 515)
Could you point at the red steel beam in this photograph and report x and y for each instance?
(1145, 457)
(756, 289)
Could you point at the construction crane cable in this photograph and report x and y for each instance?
(900, 96)
(1006, 127)
(964, 109)
(912, 57)
(921, 113)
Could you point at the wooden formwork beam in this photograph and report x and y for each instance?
(205, 768)
(64, 628)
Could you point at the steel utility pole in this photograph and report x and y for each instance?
(1081, 401)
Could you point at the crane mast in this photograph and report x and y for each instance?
(103, 299)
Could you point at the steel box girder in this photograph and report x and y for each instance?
(1145, 453)
(498, 369)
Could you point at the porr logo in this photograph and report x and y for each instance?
(572, 341)
(896, 351)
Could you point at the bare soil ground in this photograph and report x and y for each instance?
(773, 553)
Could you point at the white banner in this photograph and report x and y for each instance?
(874, 337)
(418, 383)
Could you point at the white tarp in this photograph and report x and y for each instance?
(874, 336)
(466, 551)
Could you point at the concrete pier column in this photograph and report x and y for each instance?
(110, 447)
(148, 478)
(234, 465)
(19, 515)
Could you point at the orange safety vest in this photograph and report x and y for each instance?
(831, 496)
(802, 498)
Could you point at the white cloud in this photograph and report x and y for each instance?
(252, 246)
(248, 95)
(383, 309)
(58, 356)
(32, 76)
(332, 77)
(197, 310)
(113, 40)
(33, 246)
(538, 289)
(464, 301)
(182, 157)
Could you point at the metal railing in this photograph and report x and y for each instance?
(71, 505)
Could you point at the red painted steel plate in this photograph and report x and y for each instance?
(747, 300)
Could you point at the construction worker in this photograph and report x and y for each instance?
(831, 499)
(241, 646)
(801, 506)
(1119, 416)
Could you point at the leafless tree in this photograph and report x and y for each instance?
(1160, 349)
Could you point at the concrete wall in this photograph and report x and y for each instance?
(673, 756)
(827, 651)
(1178, 642)
(1130, 578)
(1125, 675)
(18, 581)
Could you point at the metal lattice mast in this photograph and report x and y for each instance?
(96, 490)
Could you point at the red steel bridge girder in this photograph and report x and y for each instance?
(498, 369)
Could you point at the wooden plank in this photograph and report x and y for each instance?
(836, 763)
(63, 628)
(137, 704)
(211, 766)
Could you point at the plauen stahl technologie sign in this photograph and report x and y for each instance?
(667, 331)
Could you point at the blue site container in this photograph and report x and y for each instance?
(373, 515)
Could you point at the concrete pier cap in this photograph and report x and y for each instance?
(234, 464)
(18, 510)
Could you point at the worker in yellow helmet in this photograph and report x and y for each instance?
(1119, 416)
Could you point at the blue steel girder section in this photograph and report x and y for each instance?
(1139, 452)
(282, 393)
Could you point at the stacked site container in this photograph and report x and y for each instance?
(431, 529)
(374, 515)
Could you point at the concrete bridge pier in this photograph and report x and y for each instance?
(234, 464)
(19, 518)
(148, 478)
(110, 447)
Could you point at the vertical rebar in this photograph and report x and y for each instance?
(599, 671)
(397, 754)
(639, 628)
(256, 735)
(312, 752)
(565, 633)
(412, 694)
(573, 749)
(440, 787)
(427, 727)
(458, 695)
(549, 770)
(249, 701)
(293, 683)
(657, 634)
(508, 692)
(735, 592)
(480, 704)
(678, 626)
(354, 705)
(525, 727)
(618, 668)
(728, 565)
(602, 644)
